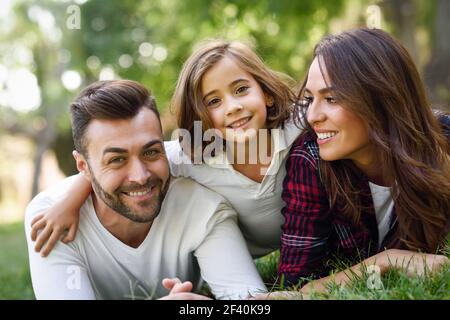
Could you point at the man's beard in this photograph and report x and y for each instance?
(152, 206)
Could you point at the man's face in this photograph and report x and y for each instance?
(127, 164)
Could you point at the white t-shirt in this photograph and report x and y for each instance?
(383, 205)
(195, 236)
(258, 204)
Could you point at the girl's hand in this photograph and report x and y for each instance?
(58, 222)
(413, 263)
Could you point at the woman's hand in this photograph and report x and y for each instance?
(58, 222)
(413, 263)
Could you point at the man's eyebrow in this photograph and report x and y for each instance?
(114, 150)
(321, 91)
(151, 143)
(121, 150)
(230, 85)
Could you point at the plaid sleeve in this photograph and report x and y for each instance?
(308, 224)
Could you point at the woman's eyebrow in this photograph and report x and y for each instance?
(321, 91)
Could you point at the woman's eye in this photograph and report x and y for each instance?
(242, 89)
(330, 100)
(306, 101)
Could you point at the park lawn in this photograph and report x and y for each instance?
(15, 281)
(395, 285)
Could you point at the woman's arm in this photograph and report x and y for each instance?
(413, 263)
(61, 218)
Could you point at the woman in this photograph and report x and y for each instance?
(370, 176)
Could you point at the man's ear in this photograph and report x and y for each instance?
(82, 164)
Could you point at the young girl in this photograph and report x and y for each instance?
(226, 87)
(371, 171)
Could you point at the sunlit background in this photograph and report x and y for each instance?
(49, 50)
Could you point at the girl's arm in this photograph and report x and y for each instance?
(61, 219)
(413, 263)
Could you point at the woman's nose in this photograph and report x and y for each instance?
(315, 113)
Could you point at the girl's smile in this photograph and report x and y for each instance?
(234, 100)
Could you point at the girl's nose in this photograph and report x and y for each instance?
(234, 106)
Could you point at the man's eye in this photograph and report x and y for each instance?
(242, 89)
(151, 153)
(117, 160)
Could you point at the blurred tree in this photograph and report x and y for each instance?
(148, 41)
(437, 71)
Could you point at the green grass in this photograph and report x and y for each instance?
(15, 281)
(395, 285)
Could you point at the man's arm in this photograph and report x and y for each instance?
(62, 275)
(224, 260)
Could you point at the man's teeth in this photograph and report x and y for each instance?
(326, 135)
(138, 193)
(239, 122)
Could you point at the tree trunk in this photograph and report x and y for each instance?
(402, 15)
(43, 141)
(437, 71)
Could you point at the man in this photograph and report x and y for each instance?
(138, 226)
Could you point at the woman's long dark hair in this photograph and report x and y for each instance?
(375, 77)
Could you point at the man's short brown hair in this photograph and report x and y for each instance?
(112, 99)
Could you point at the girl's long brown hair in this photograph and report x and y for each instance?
(187, 100)
(374, 76)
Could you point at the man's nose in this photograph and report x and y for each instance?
(139, 172)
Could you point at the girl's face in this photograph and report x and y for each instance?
(341, 133)
(235, 102)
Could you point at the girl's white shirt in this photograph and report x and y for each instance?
(258, 204)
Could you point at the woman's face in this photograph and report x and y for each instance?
(342, 134)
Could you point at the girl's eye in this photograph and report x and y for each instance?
(213, 102)
(330, 100)
(242, 89)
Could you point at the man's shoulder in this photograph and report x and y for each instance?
(182, 188)
(48, 197)
(187, 198)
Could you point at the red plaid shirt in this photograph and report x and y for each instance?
(313, 232)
